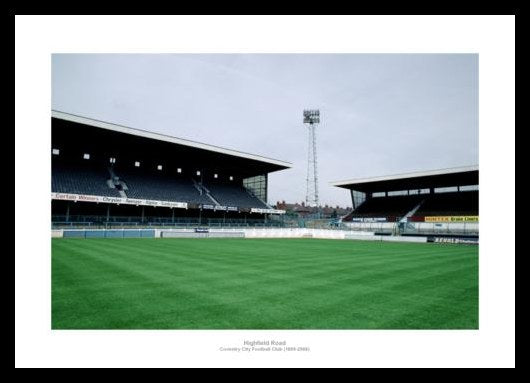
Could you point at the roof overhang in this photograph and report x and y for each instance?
(466, 175)
(165, 138)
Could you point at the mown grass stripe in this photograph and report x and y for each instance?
(262, 283)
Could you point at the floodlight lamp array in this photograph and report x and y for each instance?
(311, 116)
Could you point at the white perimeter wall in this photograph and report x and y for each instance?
(287, 233)
(306, 233)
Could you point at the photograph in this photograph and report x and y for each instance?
(193, 191)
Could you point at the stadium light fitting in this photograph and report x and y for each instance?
(159, 167)
(55, 152)
(215, 175)
(137, 164)
(86, 156)
(112, 160)
(231, 178)
(311, 116)
(179, 170)
(198, 172)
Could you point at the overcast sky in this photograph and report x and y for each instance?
(380, 114)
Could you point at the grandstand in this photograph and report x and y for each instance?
(437, 202)
(104, 173)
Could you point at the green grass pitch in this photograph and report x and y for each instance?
(262, 284)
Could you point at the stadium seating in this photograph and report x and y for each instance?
(89, 178)
(437, 204)
(82, 178)
(234, 195)
(450, 204)
(396, 206)
(156, 185)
